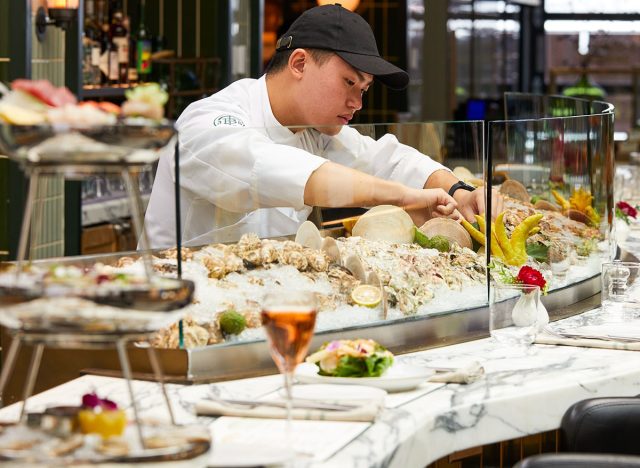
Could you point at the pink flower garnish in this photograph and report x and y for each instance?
(333, 345)
(90, 400)
(93, 401)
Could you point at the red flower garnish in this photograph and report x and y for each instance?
(625, 211)
(532, 277)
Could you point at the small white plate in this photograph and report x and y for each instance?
(398, 378)
(337, 393)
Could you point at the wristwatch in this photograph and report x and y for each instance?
(460, 185)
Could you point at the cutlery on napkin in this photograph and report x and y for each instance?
(276, 409)
(587, 340)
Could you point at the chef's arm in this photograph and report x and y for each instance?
(334, 185)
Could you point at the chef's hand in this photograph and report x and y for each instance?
(472, 203)
(424, 204)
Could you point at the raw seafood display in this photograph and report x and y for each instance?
(345, 272)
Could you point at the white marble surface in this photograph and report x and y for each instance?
(524, 391)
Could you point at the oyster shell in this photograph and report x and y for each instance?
(355, 266)
(309, 236)
(385, 222)
(515, 189)
(545, 205)
(330, 247)
(215, 265)
(317, 259)
(577, 216)
(448, 228)
(463, 173)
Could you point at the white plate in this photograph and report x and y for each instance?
(398, 378)
(337, 393)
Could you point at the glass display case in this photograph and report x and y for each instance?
(392, 279)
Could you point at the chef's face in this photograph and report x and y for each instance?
(333, 93)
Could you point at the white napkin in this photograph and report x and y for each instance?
(464, 375)
(549, 339)
(365, 412)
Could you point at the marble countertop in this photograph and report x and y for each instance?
(524, 391)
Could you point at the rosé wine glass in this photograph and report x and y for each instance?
(289, 318)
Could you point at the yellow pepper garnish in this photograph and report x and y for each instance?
(512, 251)
(563, 202)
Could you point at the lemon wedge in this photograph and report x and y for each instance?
(366, 295)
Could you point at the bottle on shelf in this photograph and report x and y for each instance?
(120, 38)
(91, 46)
(132, 72)
(143, 46)
(112, 57)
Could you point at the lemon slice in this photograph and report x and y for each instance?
(366, 295)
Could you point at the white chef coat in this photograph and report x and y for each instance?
(241, 171)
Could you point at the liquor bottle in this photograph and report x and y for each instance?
(91, 41)
(112, 57)
(143, 46)
(132, 72)
(120, 37)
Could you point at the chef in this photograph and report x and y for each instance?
(244, 167)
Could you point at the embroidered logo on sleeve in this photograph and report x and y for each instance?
(228, 120)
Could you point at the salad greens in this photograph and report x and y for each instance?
(352, 358)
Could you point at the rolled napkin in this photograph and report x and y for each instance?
(464, 375)
(364, 412)
(606, 343)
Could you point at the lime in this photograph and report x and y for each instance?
(232, 323)
(366, 295)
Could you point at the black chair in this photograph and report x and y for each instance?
(598, 432)
(602, 425)
(579, 460)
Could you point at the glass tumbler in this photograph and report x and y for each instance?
(620, 291)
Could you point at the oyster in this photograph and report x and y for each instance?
(448, 228)
(215, 265)
(295, 258)
(269, 252)
(317, 259)
(515, 189)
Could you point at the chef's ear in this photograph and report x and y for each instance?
(297, 61)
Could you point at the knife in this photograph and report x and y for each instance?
(302, 404)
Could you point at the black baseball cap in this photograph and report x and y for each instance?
(332, 27)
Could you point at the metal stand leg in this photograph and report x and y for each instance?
(7, 369)
(26, 221)
(133, 191)
(32, 373)
(37, 222)
(157, 370)
(126, 370)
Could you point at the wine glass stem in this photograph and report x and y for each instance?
(288, 383)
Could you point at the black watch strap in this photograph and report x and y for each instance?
(460, 185)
